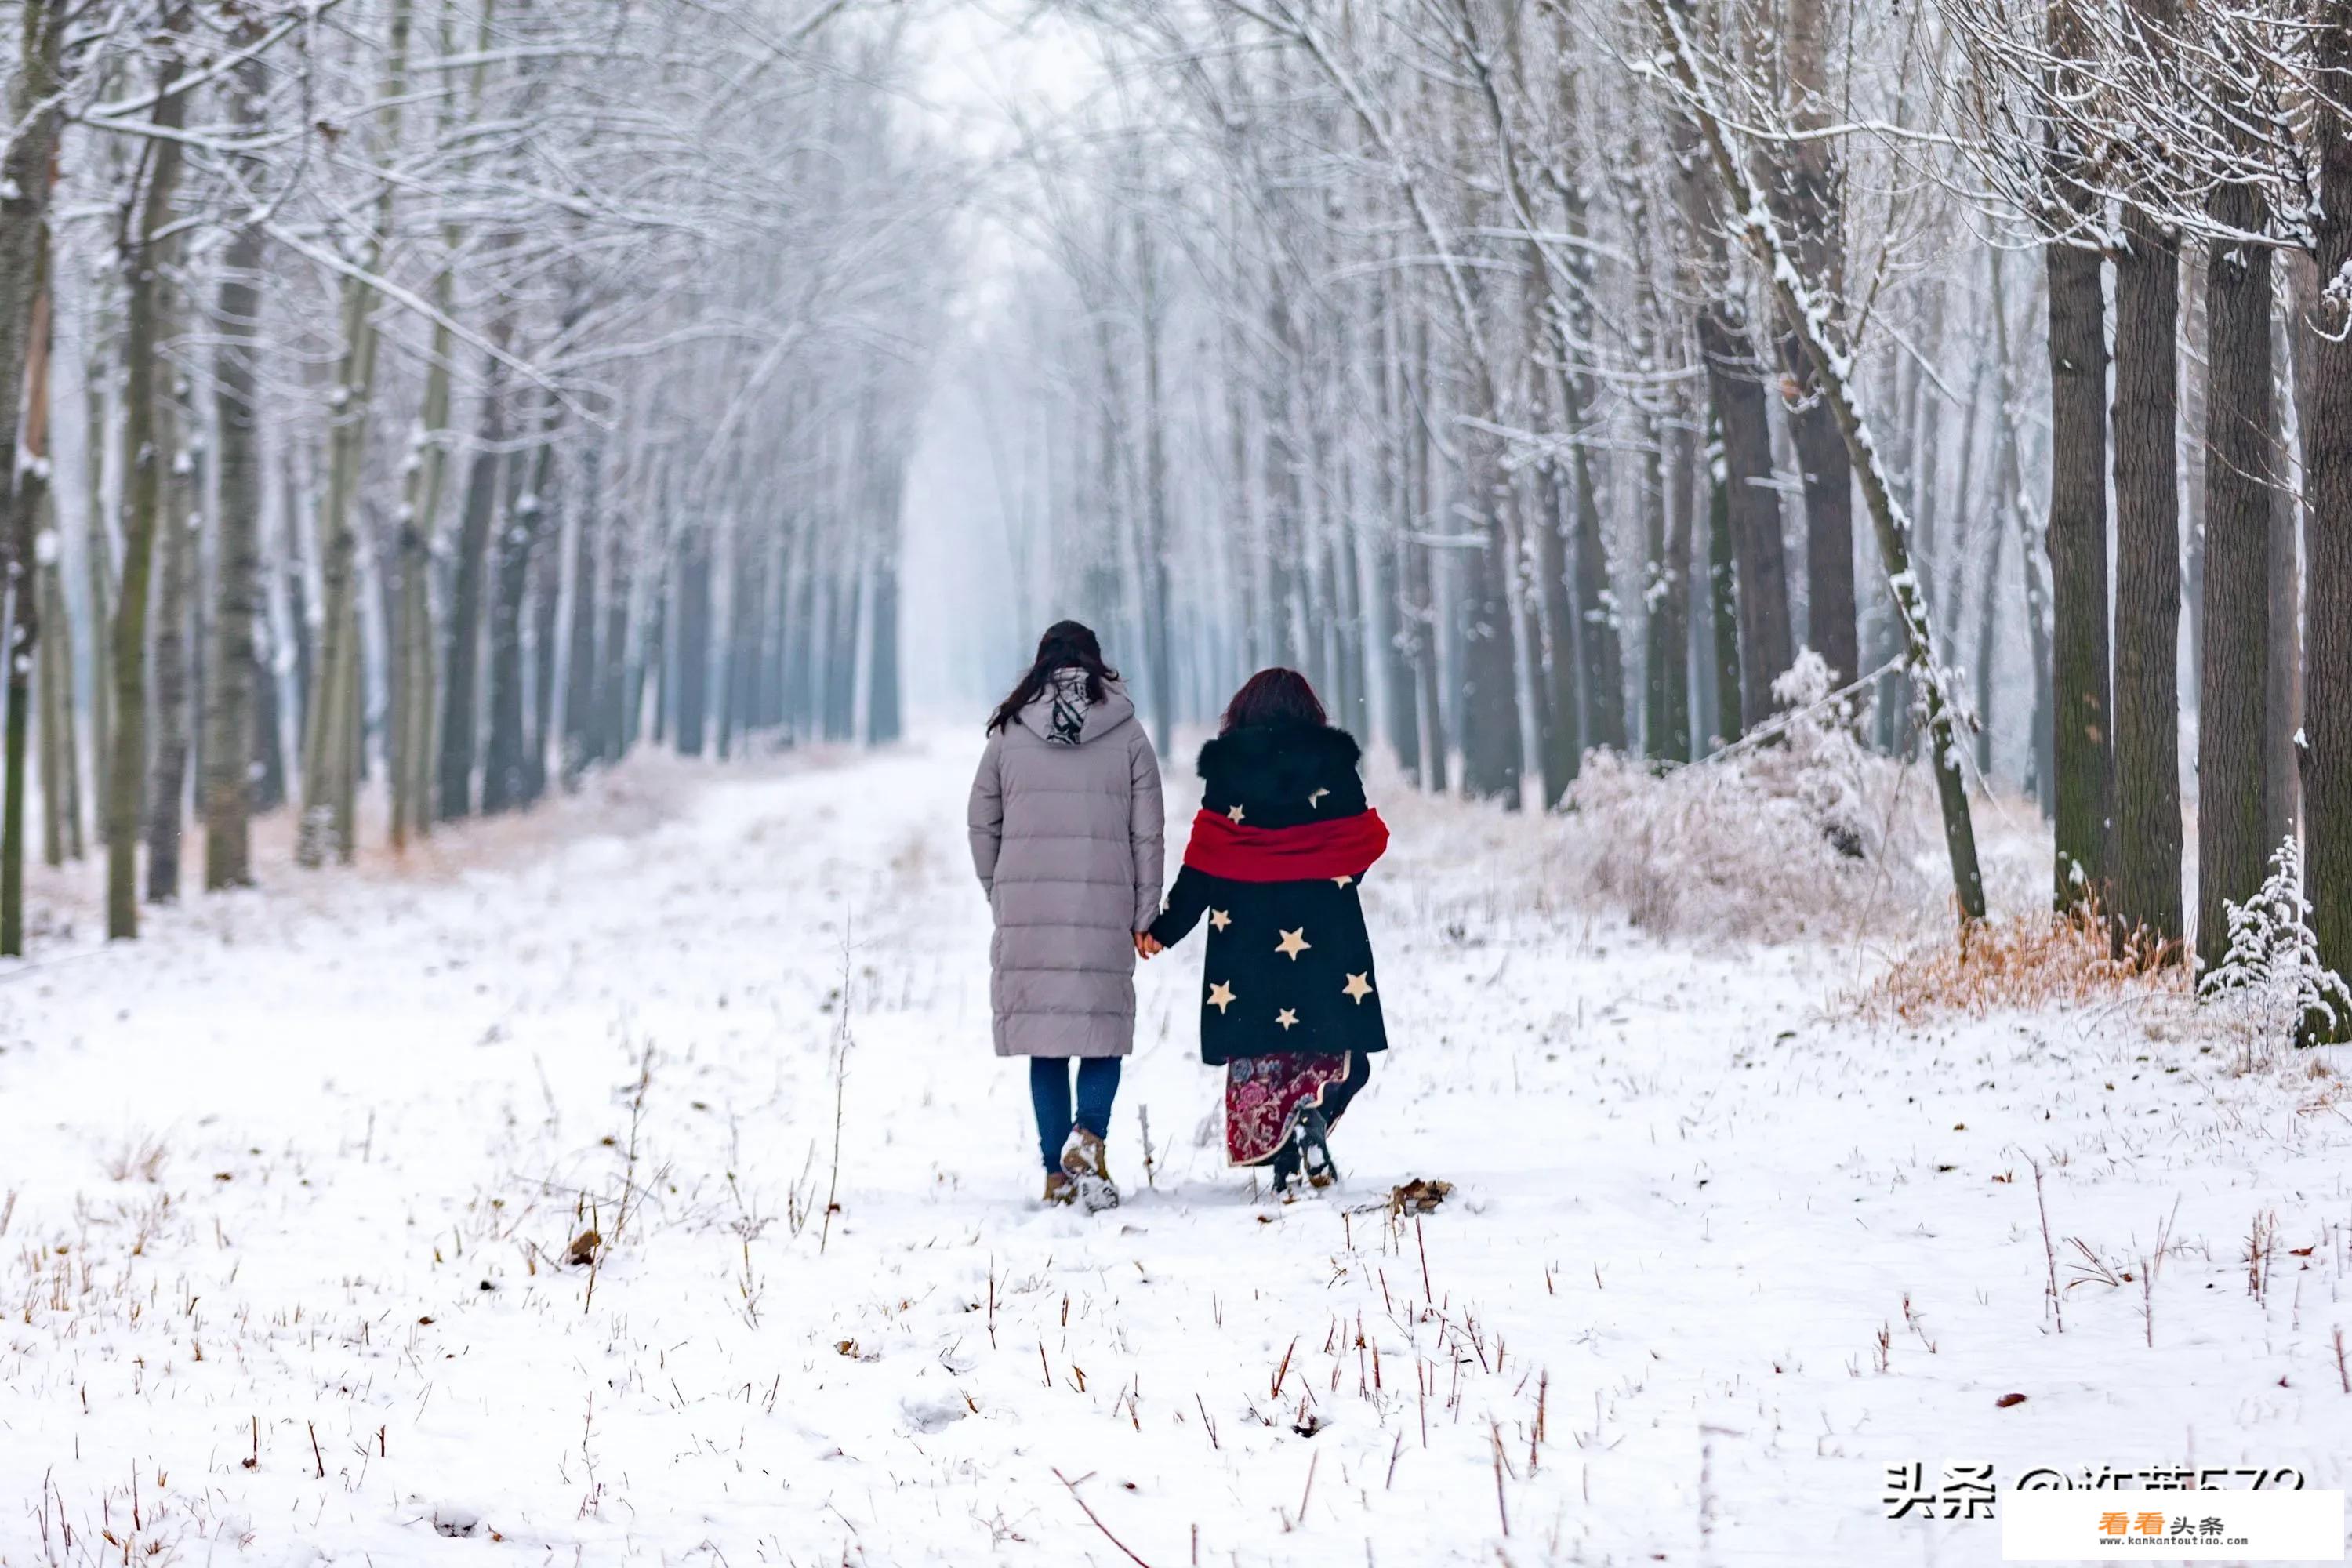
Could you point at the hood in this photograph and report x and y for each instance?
(1274, 757)
(1063, 716)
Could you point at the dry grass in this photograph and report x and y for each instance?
(141, 1156)
(2019, 963)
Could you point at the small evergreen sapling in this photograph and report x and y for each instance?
(2272, 982)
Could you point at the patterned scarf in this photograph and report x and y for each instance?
(1070, 705)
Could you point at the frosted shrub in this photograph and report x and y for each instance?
(2272, 984)
(1797, 834)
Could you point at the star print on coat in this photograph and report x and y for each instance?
(1281, 903)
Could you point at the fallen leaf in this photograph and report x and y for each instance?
(1420, 1195)
(2006, 1400)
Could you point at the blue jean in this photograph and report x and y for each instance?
(1049, 1092)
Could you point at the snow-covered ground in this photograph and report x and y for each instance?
(286, 1191)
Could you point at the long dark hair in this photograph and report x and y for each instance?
(1065, 645)
(1275, 696)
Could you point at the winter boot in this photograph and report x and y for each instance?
(1313, 1137)
(1060, 1191)
(1283, 1169)
(1089, 1169)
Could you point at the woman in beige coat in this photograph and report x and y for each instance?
(1066, 822)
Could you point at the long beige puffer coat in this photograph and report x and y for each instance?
(1066, 823)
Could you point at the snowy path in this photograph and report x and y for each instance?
(304, 1173)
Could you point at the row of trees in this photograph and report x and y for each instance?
(453, 390)
(1542, 374)
(449, 391)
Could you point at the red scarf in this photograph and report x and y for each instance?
(1343, 847)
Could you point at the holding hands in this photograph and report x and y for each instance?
(1146, 944)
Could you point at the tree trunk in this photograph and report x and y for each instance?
(2010, 475)
(693, 641)
(1667, 722)
(144, 262)
(60, 747)
(1421, 590)
(580, 723)
(841, 653)
(23, 552)
(2082, 765)
(269, 742)
(1811, 207)
(652, 661)
(412, 749)
(333, 731)
(26, 177)
(546, 588)
(1987, 627)
(738, 648)
(1601, 636)
(1559, 733)
(505, 782)
(1152, 548)
(460, 707)
(2148, 888)
(1722, 579)
(614, 721)
(170, 644)
(1490, 711)
(2233, 831)
(1767, 647)
(236, 666)
(27, 174)
(2283, 660)
(883, 722)
(2189, 467)
(100, 586)
(1395, 524)
(2328, 460)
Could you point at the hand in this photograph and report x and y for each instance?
(1146, 944)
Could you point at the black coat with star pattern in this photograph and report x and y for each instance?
(1289, 965)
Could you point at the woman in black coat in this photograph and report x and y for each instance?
(1290, 1002)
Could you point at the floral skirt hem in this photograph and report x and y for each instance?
(1264, 1097)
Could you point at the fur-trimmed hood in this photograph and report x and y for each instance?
(1269, 756)
(1279, 775)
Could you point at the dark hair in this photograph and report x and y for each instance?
(1275, 696)
(1066, 644)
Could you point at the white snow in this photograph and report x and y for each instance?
(303, 1164)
